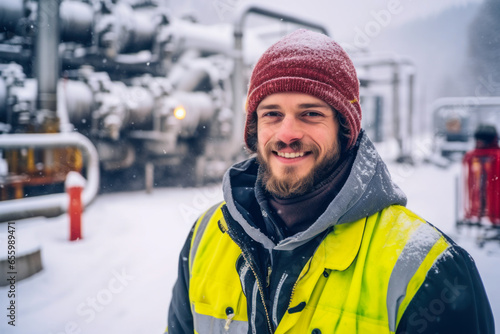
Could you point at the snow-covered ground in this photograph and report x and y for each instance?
(118, 279)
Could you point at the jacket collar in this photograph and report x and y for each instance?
(341, 246)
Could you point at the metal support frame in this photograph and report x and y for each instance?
(396, 64)
(464, 101)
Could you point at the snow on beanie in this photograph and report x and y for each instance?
(310, 63)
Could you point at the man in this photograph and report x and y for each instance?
(482, 179)
(313, 236)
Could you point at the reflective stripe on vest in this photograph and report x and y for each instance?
(214, 285)
(198, 232)
(417, 248)
(375, 267)
(206, 324)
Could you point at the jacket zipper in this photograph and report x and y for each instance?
(261, 291)
(276, 298)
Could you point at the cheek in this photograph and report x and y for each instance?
(263, 136)
(326, 141)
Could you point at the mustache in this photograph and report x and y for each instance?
(296, 146)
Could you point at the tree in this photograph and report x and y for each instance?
(484, 50)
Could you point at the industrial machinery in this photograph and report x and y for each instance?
(102, 86)
(456, 118)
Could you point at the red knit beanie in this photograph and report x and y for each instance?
(310, 63)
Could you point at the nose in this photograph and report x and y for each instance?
(289, 130)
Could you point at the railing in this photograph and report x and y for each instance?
(54, 204)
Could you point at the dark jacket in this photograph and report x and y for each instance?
(368, 190)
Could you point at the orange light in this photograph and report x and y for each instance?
(180, 112)
(453, 125)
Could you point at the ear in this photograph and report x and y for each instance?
(251, 132)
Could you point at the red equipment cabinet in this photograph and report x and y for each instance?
(482, 185)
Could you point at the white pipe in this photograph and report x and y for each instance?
(381, 60)
(465, 101)
(62, 110)
(54, 204)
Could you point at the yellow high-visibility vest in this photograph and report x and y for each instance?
(360, 279)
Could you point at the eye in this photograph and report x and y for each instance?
(312, 114)
(271, 114)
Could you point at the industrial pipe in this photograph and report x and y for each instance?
(11, 12)
(77, 20)
(465, 101)
(47, 55)
(54, 204)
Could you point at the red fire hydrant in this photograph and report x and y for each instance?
(74, 186)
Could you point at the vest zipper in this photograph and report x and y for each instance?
(254, 306)
(261, 291)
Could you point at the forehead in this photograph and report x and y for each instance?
(292, 100)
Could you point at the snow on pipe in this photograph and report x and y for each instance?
(238, 82)
(54, 204)
(211, 39)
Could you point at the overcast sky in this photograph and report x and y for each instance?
(343, 18)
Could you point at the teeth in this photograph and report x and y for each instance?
(291, 155)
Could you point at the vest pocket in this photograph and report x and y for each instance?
(207, 320)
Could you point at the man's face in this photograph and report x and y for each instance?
(296, 142)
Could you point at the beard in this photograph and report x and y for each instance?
(290, 184)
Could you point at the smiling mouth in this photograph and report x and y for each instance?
(291, 155)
